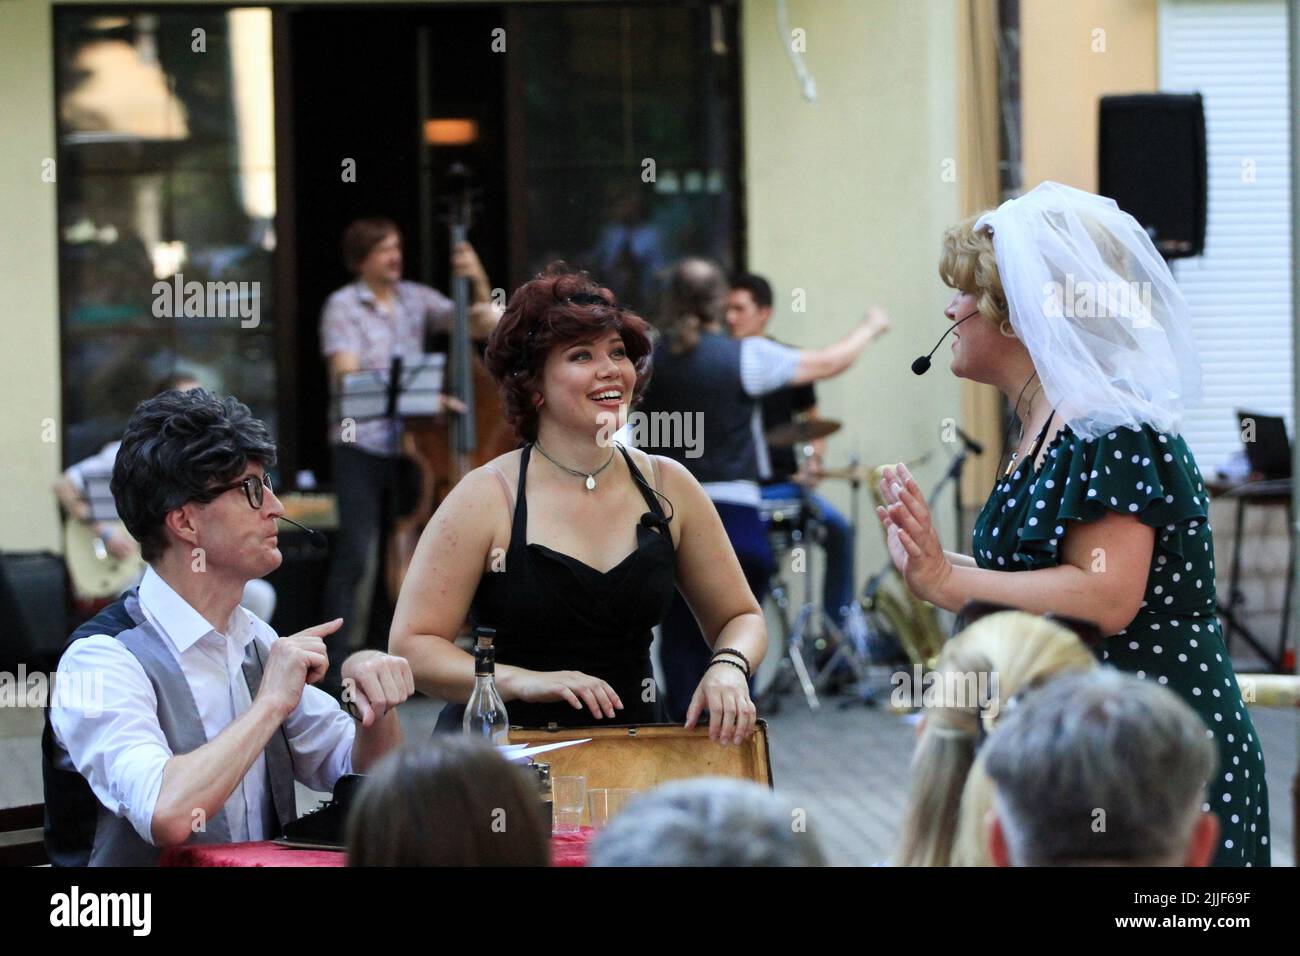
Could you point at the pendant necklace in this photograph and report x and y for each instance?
(1015, 454)
(591, 478)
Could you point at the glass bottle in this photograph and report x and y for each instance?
(485, 714)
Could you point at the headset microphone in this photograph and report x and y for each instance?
(316, 538)
(922, 363)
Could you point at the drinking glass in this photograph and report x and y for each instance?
(598, 807)
(569, 796)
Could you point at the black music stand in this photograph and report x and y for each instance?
(394, 394)
(1275, 491)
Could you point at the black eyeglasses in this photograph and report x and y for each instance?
(252, 486)
(1086, 631)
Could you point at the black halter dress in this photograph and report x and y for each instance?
(553, 612)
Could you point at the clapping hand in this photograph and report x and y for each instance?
(914, 545)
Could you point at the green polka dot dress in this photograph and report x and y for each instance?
(1175, 638)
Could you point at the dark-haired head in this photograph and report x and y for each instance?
(759, 289)
(749, 305)
(558, 309)
(451, 801)
(362, 236)
(178, 447)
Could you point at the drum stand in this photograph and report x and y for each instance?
(813, 626)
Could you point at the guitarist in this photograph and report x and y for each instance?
(362, 326)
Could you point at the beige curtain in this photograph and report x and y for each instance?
(978, 121)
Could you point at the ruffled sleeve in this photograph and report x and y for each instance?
(1148, 474)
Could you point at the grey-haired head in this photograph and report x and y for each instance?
(710, 821)
(1101, 767)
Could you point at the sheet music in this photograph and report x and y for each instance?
(363, 395)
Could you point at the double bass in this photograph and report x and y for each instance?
(446, 448)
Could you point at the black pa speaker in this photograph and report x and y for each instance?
(1151, 160)
(33, 609)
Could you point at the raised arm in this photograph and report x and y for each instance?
(714, 586)
(817, 364)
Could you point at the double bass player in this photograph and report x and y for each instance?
(363, 326)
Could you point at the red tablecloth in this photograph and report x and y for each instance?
(567, 849)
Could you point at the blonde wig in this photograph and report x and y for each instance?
(969, 264)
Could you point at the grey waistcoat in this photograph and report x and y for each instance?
(116, 841)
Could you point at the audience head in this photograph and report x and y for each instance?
(1101, 768)
(172, 482)
(749, 305)
(696, 296)
(708, 821)
(980, 671)
(547, 352)
(451, 801)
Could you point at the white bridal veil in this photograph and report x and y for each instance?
(1097, 308)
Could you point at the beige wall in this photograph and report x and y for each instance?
(1062, 76)
(29, 327)
(846, 200)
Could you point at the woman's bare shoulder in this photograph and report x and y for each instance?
(508, 463)
(483, 489)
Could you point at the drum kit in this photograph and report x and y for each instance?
(817, 651)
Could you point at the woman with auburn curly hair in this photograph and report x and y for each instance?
(569, 553)
(1064, 305)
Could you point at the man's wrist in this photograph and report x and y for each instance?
(356, 659)
(270, 708)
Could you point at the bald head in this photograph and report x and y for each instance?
(698, 288)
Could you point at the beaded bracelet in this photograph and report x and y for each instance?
(731, 650)
(723, 660)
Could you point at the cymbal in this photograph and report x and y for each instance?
(860, 472)
(795, 433)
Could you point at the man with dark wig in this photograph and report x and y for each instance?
(192, 719)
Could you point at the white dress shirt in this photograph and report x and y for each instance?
(118, 745)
